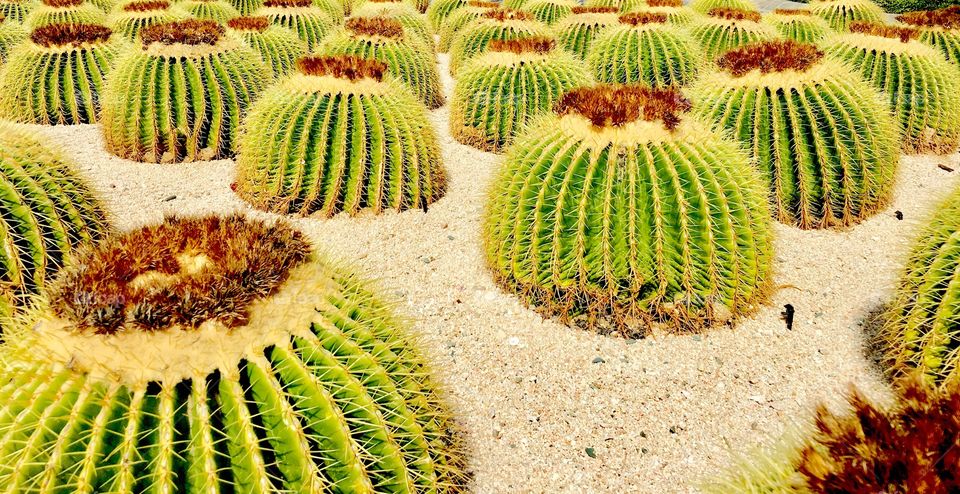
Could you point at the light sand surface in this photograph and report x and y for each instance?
(533, 395)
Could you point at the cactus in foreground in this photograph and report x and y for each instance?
(210, 10)
(201, 83)
(550, 12)
(501, 91)
(798, 25)
(11, 35)
(407, 15)
(922, 86)
(577, 33)
(939, 29)
(620, 211)
(725, 29)
(439, 10)
(705, 6)
(645, 50)
(17, 10)
(460, 19)
(340, 136)
(128, 19)
(58, 77)
(64, 12)
(222, 356)
(300, 16)
(494, 25)
(840, 13)
(675, 11)
(278, 47)
(823, 139)
(49, 212)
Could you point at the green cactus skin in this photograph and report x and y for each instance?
(49, 212)
(923, 88)
(330, 395)
(903, 6)
(323, 145)
(476, 37)
(550, 12)
(823, 139)
(599, 223)
(801, 28)
(514, 4)
(656, 55)
(278, 47)
(413, 22)
(840, 13)
(439, 10)
(577, 33)
(498, 93)
(944, 39)
(246, 7)
(193, 110)
(717, 36)
(45, 15)
(11, 35)
(310, 23)
(705, 6)
(455, 24)
(678, 16)
(17, 10)
(211, 10)
(105, 5)
(128, 24)
(624, 5)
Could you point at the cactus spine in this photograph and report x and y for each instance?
(300, 16)
(726, 29)
(17, 10)
(11, 35)
(840, 13)
(278, 47)
(577, 33)
(705, 6)
(550, 12)
(823, 139)
(128, 19)
(412, 21)
(210, 10)
(246, 8)
(495, 25)
(200, 85)
(460, 19)
(799, 25)
(675, 11)
(439, 10)
(939, 29)
(64, 12)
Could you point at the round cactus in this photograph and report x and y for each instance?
(550, 12)
(200, 84)
(300, 16)
(577, 33)
(676, 13)
(619, 212)
(384, 40)
(460, 19)
(840, 13)
(58, 76)
(939, 29)
(622, 6)
(799, 25)
(823, 139)
(246, 8)
(923, 87)
(340, 136)
(501, 91)
(210, 10)
(49, 212)
(17, 10)
(644, 50)
(725, 29)
(278, 47)
(128, 19)
(494, 25)
(64, 12)
(439, 10)
(705, 6)
(11, 35)
(219, 355)
(412, 21)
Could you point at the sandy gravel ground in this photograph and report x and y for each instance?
(548, 408)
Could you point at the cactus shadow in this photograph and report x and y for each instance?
(873, 347)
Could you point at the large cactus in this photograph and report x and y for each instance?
(840, 13)
(64, 12)
(340, 136)
(210, 10)
(300, 16)
(676, 12)
(439, 10)
(550, 12)
(49, 212)
(645, 50)
(219, 355)
(577, 33)
(129, 18)
(384, 40)
(938, 28)
(458, 20)
(823, 139)
(499, 92)
(58, 77)
(17, 10)
(799, 25)
(494, 25)
(277, 46)
(726, 29)
(11, 35)
(621, 211)
(180, 96)
(922, 86)
(705, 6)
(406, 14)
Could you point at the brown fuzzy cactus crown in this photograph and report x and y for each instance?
(614, 106)
(734, 14)
(54, 35)
(770, 56)
(483, 5)
(641, 18)
(948, 18)
(503, 15)
(342, 67)
(799, 12)
(375, 26)
(665, 3)
(146, 6)
(62, 3)
(182, 272)
(189, 32)
(534, 44)
(250, 23)
(904, 34)
(287, 3)
(579, 9)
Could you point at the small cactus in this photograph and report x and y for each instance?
(939, 29)
(11, 35)
(300, 16)
(922, 86)
(218, 11)
(725, 29)
(128, 19)
(17, 10)
(840, 13)
(645, 50)
(64, 12)
(620, 211)
(550, 12)
(219, 355)
(705, 6)
(494, 25)
(676, 12)
(499, 92)
(799, 25)
(200, 85)
(439, 10)
(58, 76)
(823, 139)
(460, 19)
(407, 15)
(577, 33)
(340, 136)
(277, 46)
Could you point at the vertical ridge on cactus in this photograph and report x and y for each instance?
(63, 12)
(597, 209)
(799, 25)
(277, 46)
(726, 29)
(17, 10)
(224, 354)
(823, 140)
(577, 33)
(922, 86)
(840, 13)
(210, 10)
(412, 20)
(938, 28)
(459, 19)
(300, 16)
(128, 19)
(246, 8)
(439, 10)
(494, 25)
(705, 6)
(11, 35)
(550, 12)
(622, 6)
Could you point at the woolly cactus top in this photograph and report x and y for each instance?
(288, 3)
(643, 18)
(375, 26)
(62, 3)
(146, 6)
(770, 56)
(70, 35)
(345, 67)
(948, 18)
(537, 45)
(251, 23)
(608, 106)
(904, 34)
(797, 12)
(874, 37)
(504, 15)
(579, 9)
(734, 14)
(191, 32)
(483, 5)
(665, 3)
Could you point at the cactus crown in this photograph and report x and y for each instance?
(250, 23)
(287, 3)
(535, 44)
(54, 35)
(375, 26)
(62, 3)
(182, 272)
(146, 6)
(641, 18)
(614, 106)
(793, 12)
(503, 15)
(188, 32)
(734, 14)
(770, 56)
(904, 34)
(664, 3)
(948, 18)
(483, 5)
(579, 9)
(342, 67)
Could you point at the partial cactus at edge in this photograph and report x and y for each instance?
(49, 212)
(278, 47)
(59, 76)
(577, 33)
(726, 29)
(823, 139)
(210, 10)
(224, 356)
(799, 25)
(460, 19)
(499, 92)
(939, 29)
(11, 35)
(840, 13)
(129, 18)
(64, 12)
(494, 25)
(439, 10)
(705, 6)
(550, 12)
(17, 10)
(922, 86)
(675, 11)
(645, 50)
(621, 212)
(200, 85)
(300, 16)
(339, 136)
(407, 15)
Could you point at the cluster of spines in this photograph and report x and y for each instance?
(219, 11)
(705, 6)
(16, 10)
(840, 13)
(459, 19)
(403, 12)
(11, 35)
(300, 16)
(439, 10)
(494, 25)
(726, 29)
(799, 25)
(64, 12)
(577, 33)
(676, 12)
(938, 28)
(550, 12)
(278, 47)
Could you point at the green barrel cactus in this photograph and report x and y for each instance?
(340, 136)
(645, 50)
(278, 47)
(300, 16)
(11, 35)
(17, 10)
(495, 25)
(199, 85)
(922, 86)
(64, 12)
(439, 10)
(577, 33)
(823, 139)
(618, 212)
(725, 29)
(499, 92)
(128, 19)
(939, 29)
(705, 6)
(407, 15)
(49, 213)
(460, 19)
(58, 77)
(223, 357)
(246, 8)
(384, 40)
(622, 6)
(218, 11)
(799, 25)
(840, 13)
(675, 11)
(550, 12)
